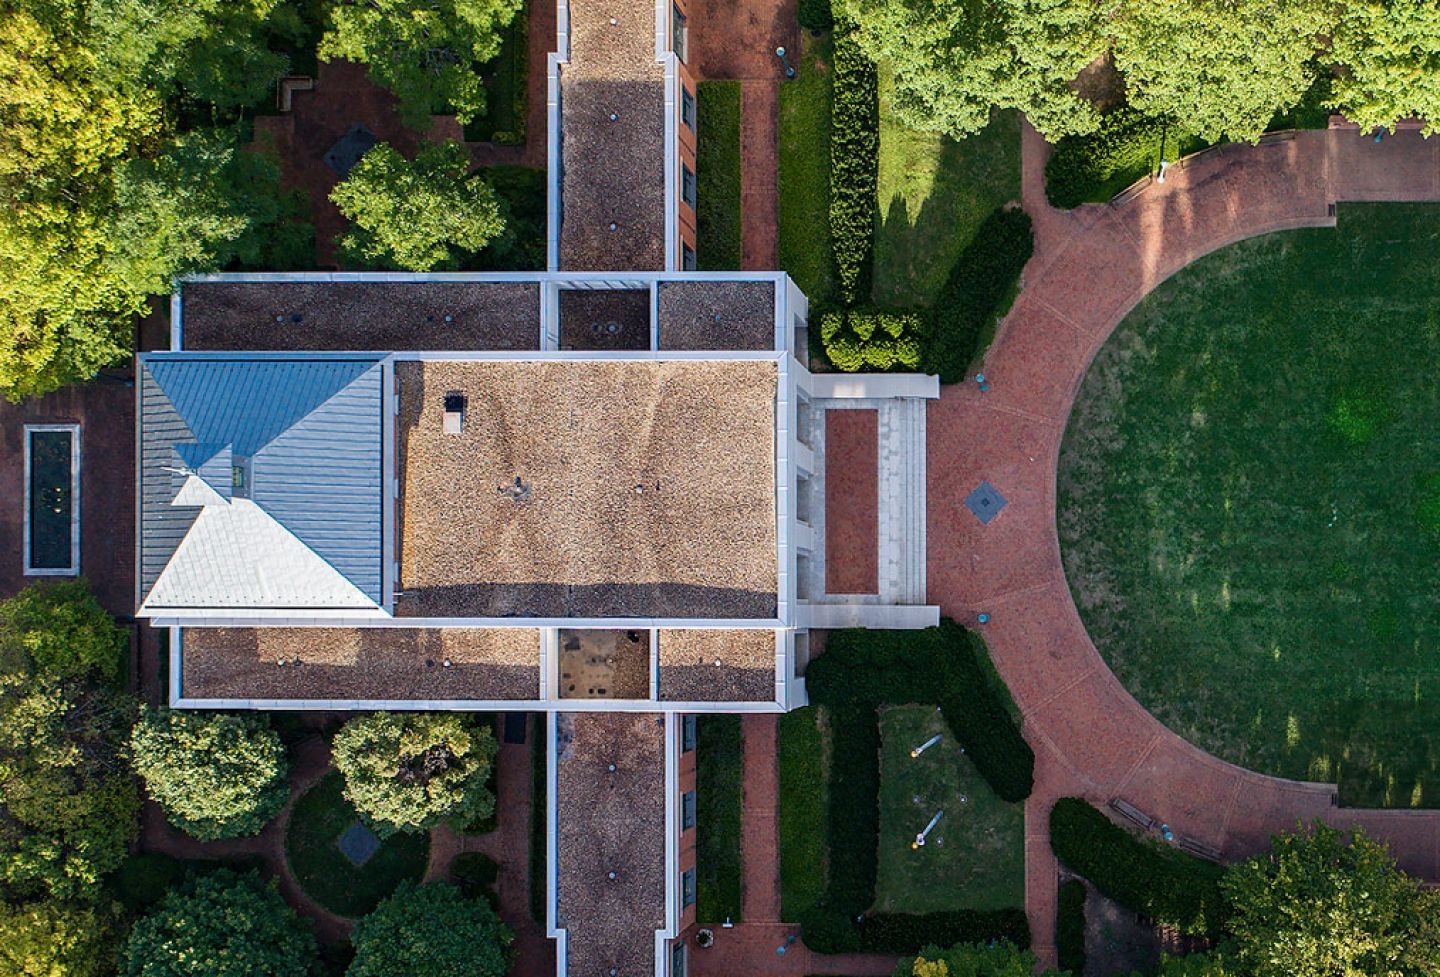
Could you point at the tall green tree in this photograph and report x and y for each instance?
(1220, 68)
(955, 59)
(1319, 905)
(56, 939)
(60, 629)
(425, 51)
(419, 214)
(410, 771)
(216, 775)
(221, 925)
(1390, 53)
(430, 930)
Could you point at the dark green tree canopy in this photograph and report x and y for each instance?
(216, 775)
(416, 215)
(430, 930)
(56, 939)
(221, 925)
(410, 771)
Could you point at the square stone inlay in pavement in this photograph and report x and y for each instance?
(986, 502)
(358, 843)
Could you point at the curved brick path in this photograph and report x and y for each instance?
(1091, 266)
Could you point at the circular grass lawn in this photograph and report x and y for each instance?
(1249, 504)
(319, 818)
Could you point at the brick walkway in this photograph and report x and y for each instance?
(737, 39)
(852, 501)
(1091, 266)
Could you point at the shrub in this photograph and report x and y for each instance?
(1127, 145)
(476, 873)
(717, 166)
(410, 771)
(220, 925)
(979, 291)
(1166, 884)
(827, 931)
(815, 15)
(430, 930)
(871, 339)
(1070, 927)
(215, 775)
(802, 811)
(718, 790)
(61, 630)
(854, 166)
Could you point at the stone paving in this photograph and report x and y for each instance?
(1091, 266)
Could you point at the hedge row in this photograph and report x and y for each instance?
(1070, 927)
(827, 931)
(816, 15)
(1166, 884)
(981, 286)
(856, 339)
(854, 166)
(1094, 167)
(942, 665)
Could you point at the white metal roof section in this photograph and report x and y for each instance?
(261, 483)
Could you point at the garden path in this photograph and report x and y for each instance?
(737, 39)
(1090, 267)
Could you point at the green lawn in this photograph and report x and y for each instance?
(974, 858)
(317, 821)
(1249, 504)
(804, 173)
(804, 742)
(718, 783)
(933, 194)
(717, 174)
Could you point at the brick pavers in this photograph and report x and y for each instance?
(852, 501)
(759, 821)
(1091, 266)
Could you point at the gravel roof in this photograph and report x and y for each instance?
(610, 822)
(587, 317)
(717, 315)
(614, 171)
(386, 316)
(717, 665)
(576, 538)
(360, 663)
(600, 663)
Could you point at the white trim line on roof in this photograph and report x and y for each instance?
(466, 705)
(785, 416)
(177, 315)
(228, 618)
(672, 156)
(481, 277)
(73, 569)
(176, 692)
(591, 356)
(553, 156)
(673, 910)
(552, 838)
(389, 500)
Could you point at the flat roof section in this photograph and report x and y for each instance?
(705, 315)
(716, 665)
(354, 315)
(613, 169)
(360, 663)
(610, 821)
(588, 488)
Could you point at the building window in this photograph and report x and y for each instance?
(687, 257)
(687, 888)
(679, 34)
(677, 960)
(687, 733)
(687, 185)
(687, 810)
(52, 500)
(687, 108)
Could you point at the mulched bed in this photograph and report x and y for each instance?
(384, 316)
(360, 663)
(717, 315)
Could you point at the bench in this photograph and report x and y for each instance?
(1198, 848)
(1127, 810)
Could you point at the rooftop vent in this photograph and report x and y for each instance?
(517, 491)
(454, 412)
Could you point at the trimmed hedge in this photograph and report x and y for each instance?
(1127, 146)
(1164, 883)
(1070, 927)
(718, 786)
(860, 671)
(815, 15)
(872, 339)
(717, 172)
(854, 166)
(981, 286)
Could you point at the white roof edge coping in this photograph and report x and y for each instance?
(879, 386)
(886, 616)
(482, 705)
(467, 277)
(327, 618)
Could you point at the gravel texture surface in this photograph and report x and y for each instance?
(611, 822)
(645, 490)
(360, 663)
(717, 665)
(717, 315)
(385, 316)
(614, 168)
(605, 320)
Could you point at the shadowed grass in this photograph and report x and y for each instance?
(804, 173)
(718, 794)
(717, 172)
(1249, 499)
